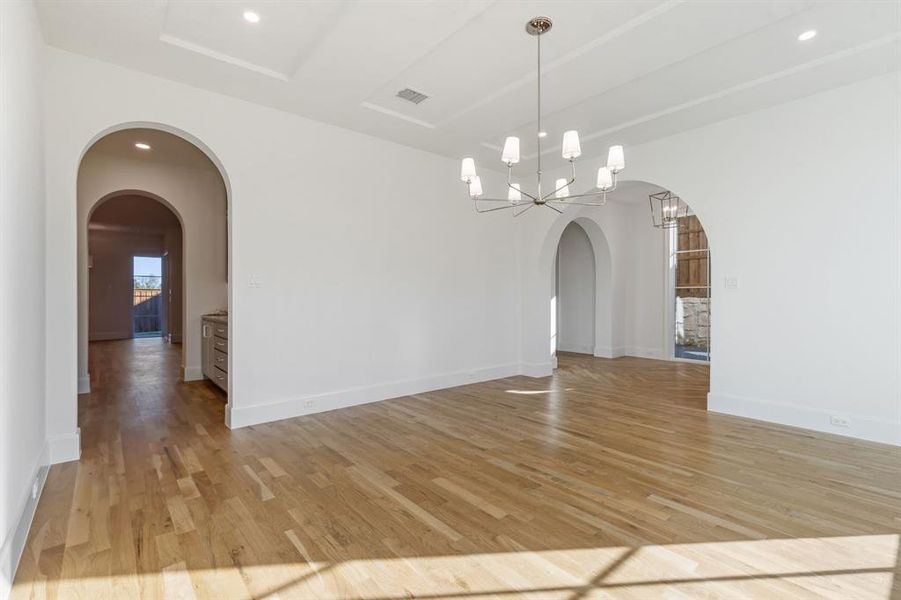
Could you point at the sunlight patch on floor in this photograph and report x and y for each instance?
(859, 567)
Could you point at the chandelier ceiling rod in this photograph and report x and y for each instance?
(538, 103)
(559, 198)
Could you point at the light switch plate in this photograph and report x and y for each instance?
(732, 282)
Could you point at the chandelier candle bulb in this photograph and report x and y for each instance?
(467, 170)
(513, 193)
(571, 148)
(511, 151)
(562, 188)
(605, 179)
(616, 161)
(475, 187)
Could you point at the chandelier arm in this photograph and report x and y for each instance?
(587, 195)
(480, 199)
(488, 210)
(523, 211)
(510, 184)
(570, 181)
(552, 207)
(568, 203)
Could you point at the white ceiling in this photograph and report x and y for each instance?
(165, 148)
(618, 71)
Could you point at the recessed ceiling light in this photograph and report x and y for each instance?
(142, 146)
(807, 35)
(542, 134)
(251, 17)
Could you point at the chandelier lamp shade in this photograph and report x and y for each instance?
(558, 197)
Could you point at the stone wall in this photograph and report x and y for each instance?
(694, 329)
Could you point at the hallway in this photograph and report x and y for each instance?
(135, 382)
(608, 478)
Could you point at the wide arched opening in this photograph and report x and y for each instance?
(646, 287)
(153, 259)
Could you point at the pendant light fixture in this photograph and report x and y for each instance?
(559, 197)
(666, 209)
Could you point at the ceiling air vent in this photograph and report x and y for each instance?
(411, 95)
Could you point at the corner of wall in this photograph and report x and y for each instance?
(14, 545)
(64, 448)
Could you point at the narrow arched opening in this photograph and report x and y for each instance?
(574, 290)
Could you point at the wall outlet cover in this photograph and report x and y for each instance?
(837, 421)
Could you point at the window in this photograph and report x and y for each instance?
(691, 264)
(147, 298)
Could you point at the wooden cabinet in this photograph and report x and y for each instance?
(214, 350)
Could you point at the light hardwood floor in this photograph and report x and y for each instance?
(608, 480)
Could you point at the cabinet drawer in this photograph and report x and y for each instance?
(220, 344)
(220, 360)
(220, 330)
(220, 378)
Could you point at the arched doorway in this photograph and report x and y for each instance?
(171, 173)
(576, 287)
(135, 285)
(574, 283)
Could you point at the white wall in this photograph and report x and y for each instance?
(23, 452)
(646, 311)
(575, 291)
(376, 277)
(795, 200)
(198, 197)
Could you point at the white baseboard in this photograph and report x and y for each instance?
(545, 369)
(577, 348)
(607, 352)
(192, 373)
(84, 384)
(14, 542)
(63, 448)
(639, 352)
(103, 336)
(316, 403)
(864, 428)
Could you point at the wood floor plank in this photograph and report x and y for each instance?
(608, 480)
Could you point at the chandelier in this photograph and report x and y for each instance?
(558, 198)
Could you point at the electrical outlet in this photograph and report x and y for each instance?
(732, 282)
(254, 281)
(34, 490)
(308, 404)
(837, 421)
